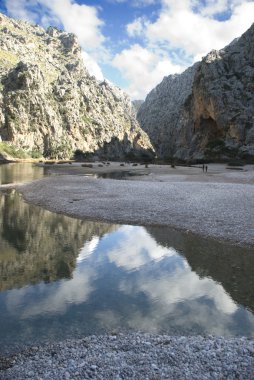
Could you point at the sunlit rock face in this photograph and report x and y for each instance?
(207, 111)
(50, 104)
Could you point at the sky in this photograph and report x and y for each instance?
(135, 43)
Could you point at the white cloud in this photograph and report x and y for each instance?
(81, 20)
(136, 27)
(143, 68)
(200, 33)
(18, 9)
(212, 7)
(92, 66)
(185, 28)
(136, 3)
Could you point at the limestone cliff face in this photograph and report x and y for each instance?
(163, 115)
(208, 111)
(50, 104)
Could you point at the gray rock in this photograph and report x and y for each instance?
(162, 114)
(196, 357)
(51, 105)
(207, 111)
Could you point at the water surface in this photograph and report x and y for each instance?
(62, 277)
(20, 172)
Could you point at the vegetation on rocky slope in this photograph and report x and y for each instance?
(9, 152)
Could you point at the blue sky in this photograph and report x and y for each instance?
(135, 43)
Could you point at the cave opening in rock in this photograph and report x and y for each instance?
(210, 129)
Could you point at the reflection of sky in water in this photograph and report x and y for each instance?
(126, 280)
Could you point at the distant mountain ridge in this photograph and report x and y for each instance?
(50, 105)
(207, 112)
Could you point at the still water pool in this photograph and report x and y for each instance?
(20, 172)
(62, 277)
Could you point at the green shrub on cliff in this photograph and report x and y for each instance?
(10, 151)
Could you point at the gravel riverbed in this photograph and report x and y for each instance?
(135, 356)
(222, 211)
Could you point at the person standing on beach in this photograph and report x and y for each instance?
(203, 167)
(206, 167)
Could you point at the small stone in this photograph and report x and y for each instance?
(72, 363)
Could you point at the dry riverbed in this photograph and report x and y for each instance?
(218, 204)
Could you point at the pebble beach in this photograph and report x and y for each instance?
(135, 356)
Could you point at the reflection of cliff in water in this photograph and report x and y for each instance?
(20, 172)
(37, 245)
(230, 266)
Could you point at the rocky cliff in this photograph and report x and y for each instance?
(207, 112)
(50, 105)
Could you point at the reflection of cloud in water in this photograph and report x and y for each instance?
(184, 297)
(184, 285)
(56, 297)
(88, 249)
(161, 290)
(108, 319)
(136, 248)
(179, 295)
